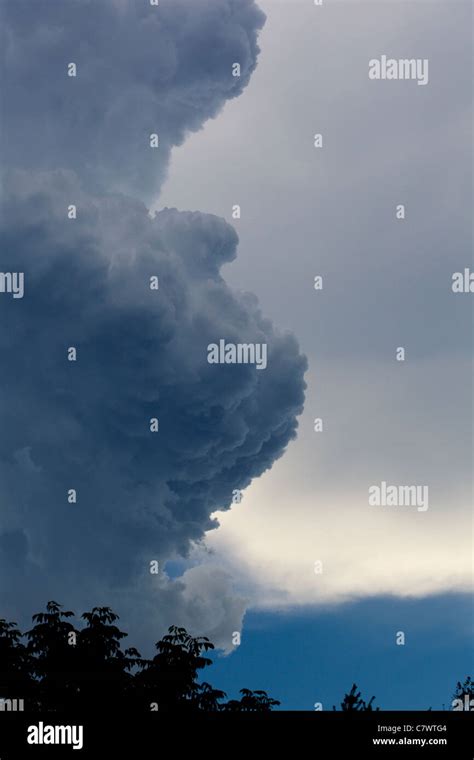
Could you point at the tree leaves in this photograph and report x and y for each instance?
(63, 667)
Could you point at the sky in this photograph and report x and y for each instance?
(386, 284)
(318, 582)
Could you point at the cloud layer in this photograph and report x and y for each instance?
(141, 354)
(140, 70)
(84, 140)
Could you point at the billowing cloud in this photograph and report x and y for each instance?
(141, 354)
(83, 427)
(140, 70)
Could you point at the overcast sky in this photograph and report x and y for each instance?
(387, 283)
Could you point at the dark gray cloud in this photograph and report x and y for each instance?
(141, 69)
(141, 353)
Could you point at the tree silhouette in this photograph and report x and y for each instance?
(56, 666)
(354, 702)
(51, 657)
(104, 674)
(251, 701)
(16, 678)
(169, 679)
(65, 668)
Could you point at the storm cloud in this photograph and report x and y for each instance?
(140, 70)
(141, 354)
(84, 426)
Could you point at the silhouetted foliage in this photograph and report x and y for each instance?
(16, 677)
(354, 702)
(169, 679)
(56, 666)
(51, 656)
(251, 701)
(62, 667)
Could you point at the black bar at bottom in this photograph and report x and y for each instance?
(377, 734)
